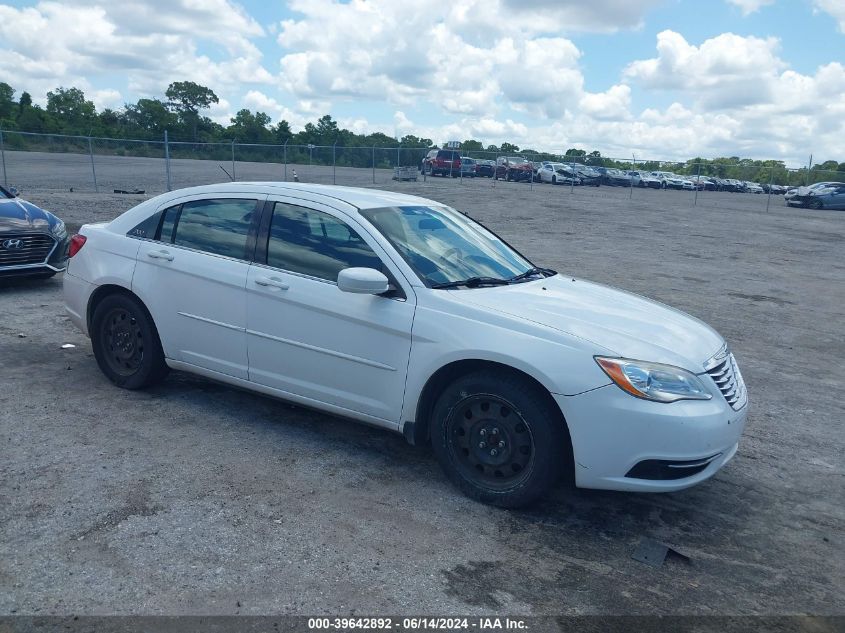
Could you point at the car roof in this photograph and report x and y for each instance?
(359, 197)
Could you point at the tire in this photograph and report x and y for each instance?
(554, 180)
(816, 204)
(126, 343)
(533, 446)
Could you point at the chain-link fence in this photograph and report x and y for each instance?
(54, 162)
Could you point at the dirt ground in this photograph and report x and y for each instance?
(194, 498)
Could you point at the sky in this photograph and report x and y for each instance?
(662, 79)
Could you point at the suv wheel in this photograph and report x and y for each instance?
(126, 343)
(498, 439)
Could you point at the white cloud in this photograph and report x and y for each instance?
(835, 8)
(151, 43)
(463, 57)
(750, 6)
(726, 71)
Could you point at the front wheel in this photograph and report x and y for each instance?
(126, 343)
(498, 438)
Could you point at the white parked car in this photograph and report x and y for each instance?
(557, 174)
(644, 179)
(406, 314)
(669, 180)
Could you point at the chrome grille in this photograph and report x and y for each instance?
(20, 249)
(723, 369)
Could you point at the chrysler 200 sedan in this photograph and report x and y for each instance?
(406, 314)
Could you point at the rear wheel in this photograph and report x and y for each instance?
(498, 438)
(126, 343)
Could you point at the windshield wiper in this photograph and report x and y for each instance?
(472, 282)
(546, 272)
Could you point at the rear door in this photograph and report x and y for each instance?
(192, 277)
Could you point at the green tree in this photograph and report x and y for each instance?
(250, 128)
(472, 145)
(509, 148)
(281, 132)
(71, 110)
(409, 140)
(594, 158)
(187, 98)
(24, 102)
(7, 102)
(150, 116)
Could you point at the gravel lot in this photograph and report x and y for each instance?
(194, 498)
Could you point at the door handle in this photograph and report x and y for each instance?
(273, 282)
(160, 255)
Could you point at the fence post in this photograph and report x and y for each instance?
(233, 161)
(374, 164)
(771, 182)
(167, 160)
(286, 158)
(697, 182)
(93, 170)
(3, 154)
(334, 163)
(633, 168)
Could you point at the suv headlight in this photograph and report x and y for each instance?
(654, 381)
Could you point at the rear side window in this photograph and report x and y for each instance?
(218, 226)
(168, 223)
(314, 243)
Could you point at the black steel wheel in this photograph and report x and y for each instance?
(126, 343)
(500, 438)
(490, 442)
(123, 341)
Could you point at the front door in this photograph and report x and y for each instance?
(305, 336)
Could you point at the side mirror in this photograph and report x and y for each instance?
(14, 191)
(365, 281)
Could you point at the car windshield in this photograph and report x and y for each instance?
(443, 246)
(517, 161)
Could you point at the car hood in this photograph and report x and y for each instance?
(20, 215)
(620, 323)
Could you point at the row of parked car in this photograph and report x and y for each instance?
(449, 162)
(821, 195)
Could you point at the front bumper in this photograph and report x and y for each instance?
(613, 432)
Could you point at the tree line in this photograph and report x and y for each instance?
(181, 113)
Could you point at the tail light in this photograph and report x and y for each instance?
(76, 244)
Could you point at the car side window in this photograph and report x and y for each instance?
(316, 244)
(217, 226)
(168, 223)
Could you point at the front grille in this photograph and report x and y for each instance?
(19, 249)
(725, 373)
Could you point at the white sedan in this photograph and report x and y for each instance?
(557, 174)
(404, 313)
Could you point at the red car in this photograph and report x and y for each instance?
(443, 162)
(514, 168)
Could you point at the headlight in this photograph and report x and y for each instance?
(654, 381)
(59, 229)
